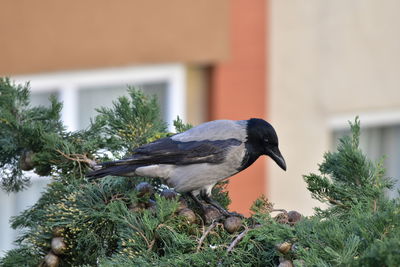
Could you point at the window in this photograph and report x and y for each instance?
(380, 136)
(81, 92)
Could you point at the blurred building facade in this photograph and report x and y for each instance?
(307, 67)
(329, 62)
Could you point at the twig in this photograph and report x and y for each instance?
(335, 202)
(149, 245)
(212, 226)
(237, 239)
(240, 237)
(78, 158)
(118, 197)
(166, 226)
(281, 210)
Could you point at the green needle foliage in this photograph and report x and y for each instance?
(109, 222)
(22, 129)
(348, 176)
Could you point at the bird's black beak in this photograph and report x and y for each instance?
(276, 155)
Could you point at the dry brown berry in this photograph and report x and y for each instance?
(284, 247)
(282, 218)
(189, 215)
(294, 216)
(58, 245)
(169, 194)
(232, 224)
(211, 214)
(145, 189)
(51, 260)
(135, 207)
(151, 204)
(26, 162)
(286, 263)
(58, 231)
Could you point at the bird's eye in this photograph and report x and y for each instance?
(266, 140)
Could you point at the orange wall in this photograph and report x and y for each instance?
(239, 90)
(48, 35)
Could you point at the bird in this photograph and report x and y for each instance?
(192, 162)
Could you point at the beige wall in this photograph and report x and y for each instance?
(328, 58)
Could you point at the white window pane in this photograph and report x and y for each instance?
(90, 98)
(391, 149)
(12, 205)
(377, 142)
(7, 210)
(42, 98)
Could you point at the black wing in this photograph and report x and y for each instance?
(168, 151)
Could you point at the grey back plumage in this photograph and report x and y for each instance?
(215, 130)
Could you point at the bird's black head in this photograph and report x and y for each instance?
(261, 136)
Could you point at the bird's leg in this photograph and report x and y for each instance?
(209, 200)
(195, 199)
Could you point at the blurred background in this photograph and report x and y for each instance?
(306, 66)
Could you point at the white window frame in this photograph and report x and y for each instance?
(379, 118)
(67, 84)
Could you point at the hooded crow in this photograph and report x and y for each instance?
(195, 160)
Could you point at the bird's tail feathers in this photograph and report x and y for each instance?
(120, 162)
(117, 170)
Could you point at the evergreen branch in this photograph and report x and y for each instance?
(149, 245)
(97, 221)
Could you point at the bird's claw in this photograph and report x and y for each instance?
(231, 213)
(235, 214)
